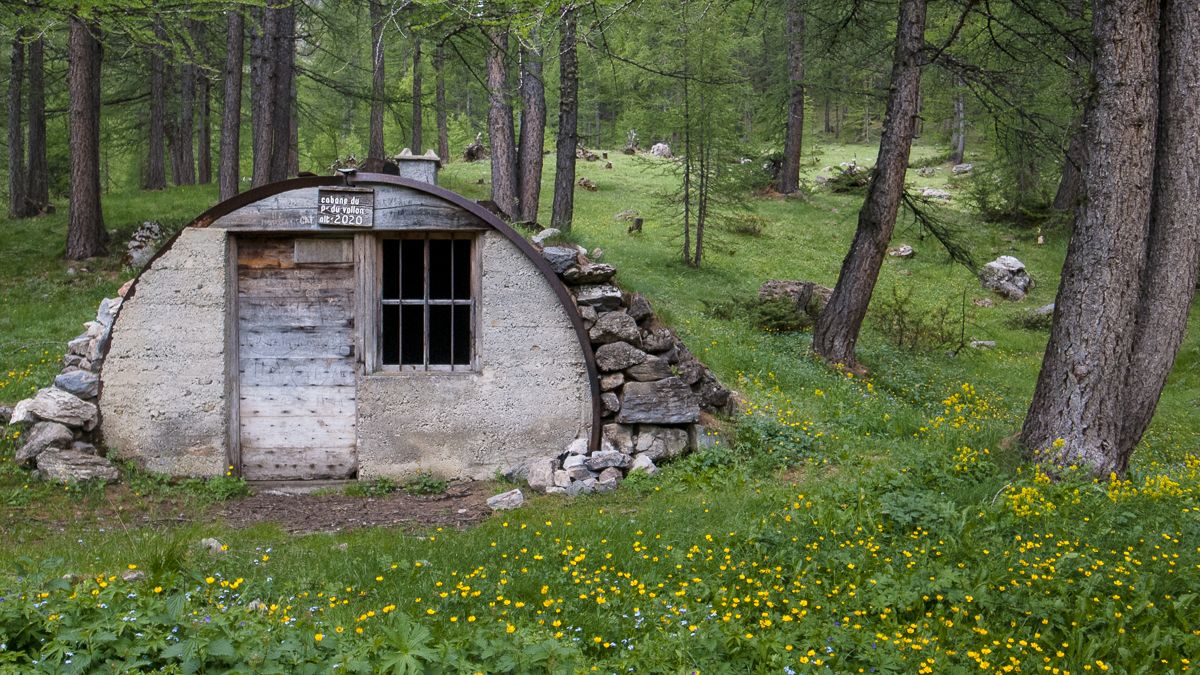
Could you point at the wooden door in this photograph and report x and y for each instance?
(296, 358)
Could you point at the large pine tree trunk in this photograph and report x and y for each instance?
(563, 208)
(531, 139)
(417, 99)
(1077, 412)
(86, 236)
(231, 109)
(284, 45)
(443, 129)
(500, 125)
(836, 332)
(1070, 185)
(17, 207)
(262, 92)
(1131, 267)
(37, 192)
(186, 131)
(155, 177)
(789, 173)
(375, 144)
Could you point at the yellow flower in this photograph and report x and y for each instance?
(319, 636)
(158, 589)
(509, 628)
(209, 580)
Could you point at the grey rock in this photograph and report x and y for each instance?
(99, 348)
(983, 344)
(579, 446)
(620, 436)
(84, 446)
(506, 501)
(56, 405)
(959, 169)
(639, 307)
(560, 257)
(650, 370)
(590, 273)
(1039, 318)
(561, 479)
(618, 356)
(661, 150)
(615, 327)
(659, 443)
(658, 340)
(1006, 276)
(601, 296)
(610, 402)
(67, 466)
(700, 437)
(935, 193)
(611, 381)
(41, 436)
(540, 473)
(609, 480)
(588, 314)
(572, 461)
(645, 464)
(556, 490)
(608, 458)
(80, 383)
(714, 397)
(668, 401)
(515, 472)
(131, 576)
(580, 472)
(108, 311)
(926, 171)
(581, 487)
(902, 251)
(80, 345)
(72, 360)
(213, 546)
(6, 414)
(810, 298)
(541, 237)
(690, 369)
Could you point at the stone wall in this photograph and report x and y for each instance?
(163, 399)
(531, 392)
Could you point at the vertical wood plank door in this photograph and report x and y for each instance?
(296, 358)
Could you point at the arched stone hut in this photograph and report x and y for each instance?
(347, 327)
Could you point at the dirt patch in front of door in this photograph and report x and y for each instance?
(459, 506)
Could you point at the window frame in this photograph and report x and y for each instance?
(374, 333)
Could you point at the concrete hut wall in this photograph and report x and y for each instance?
(163, 401)
(530, 397)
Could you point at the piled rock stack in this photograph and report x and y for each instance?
(59, 420)
(653, 388)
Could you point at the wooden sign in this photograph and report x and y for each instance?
(346, 207)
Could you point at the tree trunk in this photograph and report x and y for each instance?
(500, 125)
(185, 135)
(262, 92)
(1131, 267)
(37, 192)
(293, 151)
(204, 112)
(86, 236)
(1070, 185)
(443, 129)
(17, 208)
(156, 171)
(375, 143)
(417, 108)
(531, 140)
(959, 140)
(563, 208)
(836, 332)
(284, 49)
(828, 128)
(231, 109)
(789, 173)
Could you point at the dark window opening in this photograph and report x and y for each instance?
(428, 303)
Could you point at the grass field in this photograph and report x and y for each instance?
(844, 525)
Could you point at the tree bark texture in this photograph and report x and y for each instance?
(37, 191)
(959, 139)
(417, 99)
(231, 109)
(86, 236)
(443, 129)
(185, 135)
(155, 177)
(284, 49)
(1131, 267)
(531, 140)
(793, 139)
(563, 208)
(375, 142)
(500, 125)
(262, 92)
(17, 208)
(837, 328)
(1070, 185)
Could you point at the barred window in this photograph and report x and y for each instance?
(428, 302)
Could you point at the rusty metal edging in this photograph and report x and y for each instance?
(560, 290)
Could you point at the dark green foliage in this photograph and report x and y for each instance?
(425, 484)
(916, 328)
